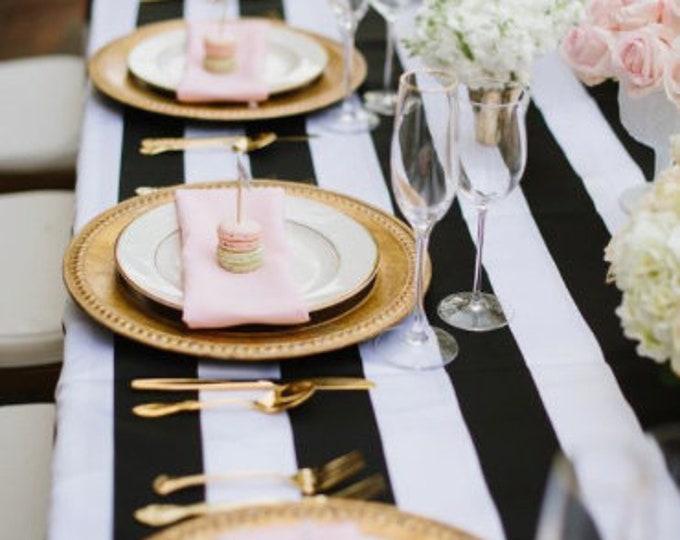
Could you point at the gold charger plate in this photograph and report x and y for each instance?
(108, 69)
(90, 276)
(375, 521)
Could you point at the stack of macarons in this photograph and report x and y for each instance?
(239, 247)
(220, 52)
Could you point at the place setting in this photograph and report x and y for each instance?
(125, 269)
(226, 69)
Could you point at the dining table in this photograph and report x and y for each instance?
(471, 444)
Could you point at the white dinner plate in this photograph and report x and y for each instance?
(292, 59)
(333, 256)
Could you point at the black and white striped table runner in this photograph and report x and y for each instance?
(471, 445)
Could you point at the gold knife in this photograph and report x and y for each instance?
(187, 384)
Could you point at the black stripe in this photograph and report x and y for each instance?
(145, 448)
(510, 428)
(292, 159)
(334, 423)
(576, 237)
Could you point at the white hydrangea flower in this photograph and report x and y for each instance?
(490, 38)
(644, 262)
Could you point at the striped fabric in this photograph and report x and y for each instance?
(470, 445)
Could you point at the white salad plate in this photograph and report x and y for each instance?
(292, 59)
(333, 257)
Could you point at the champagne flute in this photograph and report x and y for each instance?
(424, 163)
(493, 156)
(351, 117)
(384, 101)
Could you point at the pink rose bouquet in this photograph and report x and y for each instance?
(634, 41)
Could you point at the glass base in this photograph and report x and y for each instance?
(356, 120)
(631, 198)
(479, 312)
(381, 101)
(398, 349)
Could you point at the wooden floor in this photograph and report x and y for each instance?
(31, 28)
(35, 27)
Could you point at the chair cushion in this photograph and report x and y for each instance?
(41, 102)
(34, 232)
(26, 440)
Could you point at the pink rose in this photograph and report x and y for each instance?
(587, 49)
(670, 16)
(639, 58)
(624, 14)
(602, 13)
(638, 13)
(671, 78)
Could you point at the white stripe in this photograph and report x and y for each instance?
(210, 164)
(431, 460)
(235, 438)
(588, 141)
(575, 392)
(82, 488)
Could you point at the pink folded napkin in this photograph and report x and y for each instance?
(214, 297)
(244, 83)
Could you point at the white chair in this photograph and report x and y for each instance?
(41, 102)
(35, 228)
(26, 440)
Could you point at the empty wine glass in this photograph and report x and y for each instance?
(384, 101)
(492, 157)
(351, 117)
(423, 162)
(613, 490)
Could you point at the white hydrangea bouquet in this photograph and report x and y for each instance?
(490, 38)
(644, 262)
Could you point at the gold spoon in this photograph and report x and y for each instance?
(276, 400)
(155, 146)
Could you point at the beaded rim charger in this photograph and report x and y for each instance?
(378, 521)
(91, 278)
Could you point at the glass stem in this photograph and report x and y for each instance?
(481, 223)
(389, 55)
(348, 32)
(419, 324)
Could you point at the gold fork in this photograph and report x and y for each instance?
(157, 515)
(309, 480)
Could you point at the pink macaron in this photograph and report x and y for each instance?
(239, 236)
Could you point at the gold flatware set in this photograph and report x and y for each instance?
(309, 480)
(277, 400)
(312, 483)
(236, 143)
(278, 397)
(189, 384)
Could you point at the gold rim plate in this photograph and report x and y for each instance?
(352, 246)
(91, 278)
(376, 521)
(108, 69)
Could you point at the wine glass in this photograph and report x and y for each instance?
(384, 101)
(492, 157)
(351, 117)
(611, 490)
(423, 164)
